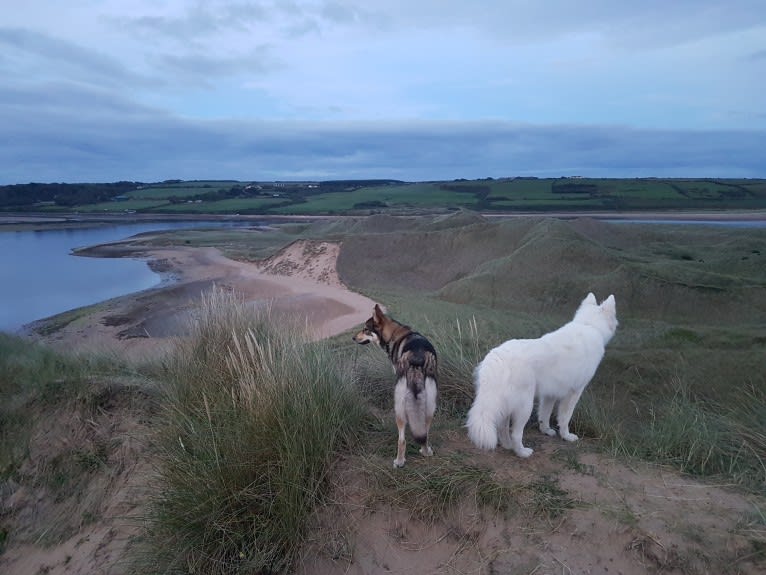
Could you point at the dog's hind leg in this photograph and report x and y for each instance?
(425, 449)
(430, 391)
(520, 416)
(400, 394)
(504, 432)
(517, 431)
(402, 443)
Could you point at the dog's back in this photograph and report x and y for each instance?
(414, 359)
(415, 363)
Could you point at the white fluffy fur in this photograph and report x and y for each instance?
(554, 368)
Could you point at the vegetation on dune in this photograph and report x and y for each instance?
(56, 437)
(32, 379)
(25, 372)
(255, 417)
(545, 266)
(690, 340)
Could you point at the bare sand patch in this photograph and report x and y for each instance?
(573, 512)
(301, 280)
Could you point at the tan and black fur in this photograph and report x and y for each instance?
(415, 365)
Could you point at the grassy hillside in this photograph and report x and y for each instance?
(257, 426)
(540, 265)
(691, 299)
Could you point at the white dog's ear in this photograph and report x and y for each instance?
(590, 298)
(609, 303)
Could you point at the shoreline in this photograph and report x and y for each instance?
(144, 323)
(680, 216)
(185, 273)
(29, 220)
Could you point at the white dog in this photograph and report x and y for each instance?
(554, 368)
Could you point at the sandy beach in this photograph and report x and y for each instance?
(300, 280)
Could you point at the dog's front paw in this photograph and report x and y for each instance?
(569, 437)
(524, 452)
(399, 463)
(426, 451)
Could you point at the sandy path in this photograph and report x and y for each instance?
(301, 279)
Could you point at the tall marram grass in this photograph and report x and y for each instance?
(460, 350)
(255, 415)
(697, 436)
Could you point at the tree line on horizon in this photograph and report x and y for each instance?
(24, 196)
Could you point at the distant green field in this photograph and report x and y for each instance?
(544, 203)
(359, 197)
(230, 206)
(121, 206)
(164, 193)
(181, 190)
(413, 195)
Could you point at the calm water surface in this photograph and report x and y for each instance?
(718, 223)
(39, 276)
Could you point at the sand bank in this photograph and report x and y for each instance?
(301, 279)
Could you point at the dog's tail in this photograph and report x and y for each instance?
(482, 429)
(416, 377)
(415, 404)
(482, 419)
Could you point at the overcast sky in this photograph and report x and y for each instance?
(147, 90)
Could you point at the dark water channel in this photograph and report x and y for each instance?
(40, 277)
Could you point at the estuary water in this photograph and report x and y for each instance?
(40, 277)
(691, 222)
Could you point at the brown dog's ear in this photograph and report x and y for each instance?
(377, 315)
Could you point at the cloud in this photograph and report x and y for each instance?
(136, 89)
(758, 55)
(25, 52)
(120, 141)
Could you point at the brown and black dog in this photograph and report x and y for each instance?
(414, 361)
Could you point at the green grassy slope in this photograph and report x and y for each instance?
(572, 194)
(683, 382)
(691, 303)
(543, 265)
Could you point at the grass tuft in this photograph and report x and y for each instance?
(254, 416)
(549, 500)
(699, 437)
(434, 488)
(460, 350)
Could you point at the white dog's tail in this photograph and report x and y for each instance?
(482, 429)
(482, 417)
